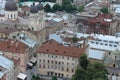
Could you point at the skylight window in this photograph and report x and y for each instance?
(106, 44)
(115, 45)
(110, 41)
(104, 40)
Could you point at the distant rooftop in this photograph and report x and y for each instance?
(5, 63)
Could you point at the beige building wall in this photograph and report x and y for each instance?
(23, 57)
(58, 65)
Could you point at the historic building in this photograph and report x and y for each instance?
(59, 60)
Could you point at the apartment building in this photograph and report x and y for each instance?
(17, 50)
(6, 68)
(59, 60)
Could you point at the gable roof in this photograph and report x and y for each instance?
(13, 46)
(53, 47)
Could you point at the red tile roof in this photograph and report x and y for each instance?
(13, 46)
(7, 30)
(53, 47)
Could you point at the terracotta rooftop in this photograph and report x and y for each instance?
(13, 46)
(53, 47)
(7, 30)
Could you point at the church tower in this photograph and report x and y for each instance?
(11, 10)
(36, 17)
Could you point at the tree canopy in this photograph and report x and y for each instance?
(89, 71)
(34, 77)
(104, 10)
(54, 78)
(81, 8)
(47, 8)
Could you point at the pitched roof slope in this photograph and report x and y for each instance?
(53, 47)
(13, 46)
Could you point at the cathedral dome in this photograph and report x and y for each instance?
(11, 6)
(40, 6)
(33, 9)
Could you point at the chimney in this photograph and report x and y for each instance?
(33, 3)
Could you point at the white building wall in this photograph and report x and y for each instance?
(12, 15)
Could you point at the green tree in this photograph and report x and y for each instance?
(54, 78)
(20, 4)
(35, 77)
(55, 7)
(99, 79)
(48, 0)
(96, 70)
(90, 71)
(68, 8)
(74, 39)
(81, 8)
(66, 2)
(47, 8)
(104, 10)
(83, 61)
(80, 74)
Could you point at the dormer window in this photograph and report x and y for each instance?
(97, 25)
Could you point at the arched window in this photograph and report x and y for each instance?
(114, 65)
(11, 15)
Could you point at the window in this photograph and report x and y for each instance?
(40, 66)
(48, 61)
(73, 70)
(68, 58)
(52, 62)
(62, 69)
(56, 56)
(59, 63)
(67, 63)
(44, 66)
(114, 65)
(44, 61)
(11, 15)
(48, 66)
(73, 59)
(39, 60)
(67, 69)
(8, 15)
(14, 15)
(63, 63)
(48, 56)
(62, 57)
(115, 57)
(98, 25)
(55, 62)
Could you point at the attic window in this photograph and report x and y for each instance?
(56, 50)
(50, 42)
(106, 44)
(99, 40)
(110, 41)
(116, 42)
(8, 47)
(64, 51)
(101, 43)
(92, 42)
(47, 50)
(110, 45)
(104, 40)
(96, 42)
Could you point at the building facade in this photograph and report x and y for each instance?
(56, 59)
